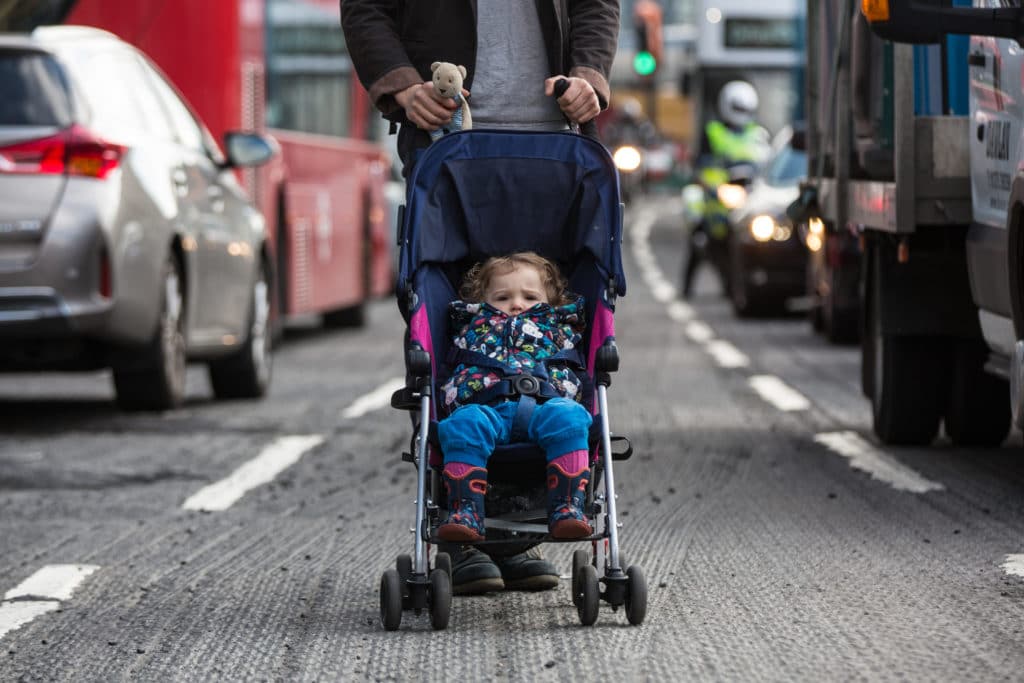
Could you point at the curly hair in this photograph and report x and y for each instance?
(474, 285)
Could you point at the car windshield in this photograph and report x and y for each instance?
(25, 15)
(34, 91)
(788, 166)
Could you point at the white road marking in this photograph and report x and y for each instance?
(727, 355)
(49, 586)
(375, 400)
(1014, 565)
(680, 312)
(881, 466)
(262, 469)
(52, 582)
(661, 289)
(778, 393)
(699, 332)
(16, 614)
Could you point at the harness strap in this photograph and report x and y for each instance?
(521, 421)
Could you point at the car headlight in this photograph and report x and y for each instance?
(627, 158)
(816, 226)
(731, 195)
(815, 237)
(762, 228)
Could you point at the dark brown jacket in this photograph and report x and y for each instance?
(393, 42)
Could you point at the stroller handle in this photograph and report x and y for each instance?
(589, 128)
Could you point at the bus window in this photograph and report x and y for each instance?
(309, 74)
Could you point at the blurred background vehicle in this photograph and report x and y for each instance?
(126, 240)
(279, 67)
(767, 260)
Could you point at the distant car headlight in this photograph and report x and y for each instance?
(815, 238)
(627, 158)
(816, 226)
(732, 196)
(765, 228)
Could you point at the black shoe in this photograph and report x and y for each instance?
(527, 571)
(473, 572)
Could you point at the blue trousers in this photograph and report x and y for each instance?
(470, 434)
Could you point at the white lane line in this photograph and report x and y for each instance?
(375, 400)
(881, 466)
(52, 582)
(699, 332)
(680, 312)
(16, 614)
(727, 355)
(778, 393)
(274, 459)
(661, 289)
(1014, 565)
(48, 586)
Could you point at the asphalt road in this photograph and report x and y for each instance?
(780, 541)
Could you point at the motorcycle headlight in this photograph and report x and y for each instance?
(627, 158)
(732, 196)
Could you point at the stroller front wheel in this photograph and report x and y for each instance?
(636, 596)
(588, 595)
(440, 599)
(390, 600)
(580, 559)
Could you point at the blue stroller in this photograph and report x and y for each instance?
(472, 195)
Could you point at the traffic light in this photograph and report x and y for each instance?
(647, 22)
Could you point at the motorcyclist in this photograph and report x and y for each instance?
(731, 146)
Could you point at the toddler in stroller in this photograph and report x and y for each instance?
(514, 382)
(474, 195)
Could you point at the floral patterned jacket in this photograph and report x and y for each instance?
(519, 343)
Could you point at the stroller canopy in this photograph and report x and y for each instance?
(476, 194)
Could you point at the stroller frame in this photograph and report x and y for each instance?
(412, 584)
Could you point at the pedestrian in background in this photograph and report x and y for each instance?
(514, 52)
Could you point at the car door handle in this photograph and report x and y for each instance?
(976, 59)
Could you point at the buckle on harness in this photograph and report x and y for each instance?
(526, 385)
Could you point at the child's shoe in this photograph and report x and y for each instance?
(465, 523)
(566, 497)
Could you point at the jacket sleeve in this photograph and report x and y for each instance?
(375, 46)
(593, 38)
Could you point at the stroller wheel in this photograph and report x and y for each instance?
(588, 594)
(444, 561)
(390, 600)
(580, 559)
(440, 599)
(636, 595)
(404, 566)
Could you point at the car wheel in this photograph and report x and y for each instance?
(353, 316)
(246, 372)
(157, 380)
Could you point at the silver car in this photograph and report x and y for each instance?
(126, 240)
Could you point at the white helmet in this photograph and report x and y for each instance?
(737, 103)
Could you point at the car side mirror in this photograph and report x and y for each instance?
(249, 149)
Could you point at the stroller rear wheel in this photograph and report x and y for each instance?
(444, 561)
(404, 566)
(390, 600)
(636, 595)
(440, 599)
(587, 595)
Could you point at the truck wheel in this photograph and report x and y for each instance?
(909, 383)
(157, 381)
(978, 410)
(246, 372)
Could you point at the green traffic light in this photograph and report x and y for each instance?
(644, 63)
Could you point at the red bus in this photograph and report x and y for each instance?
(281, 67)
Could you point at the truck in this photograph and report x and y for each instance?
(910, 210)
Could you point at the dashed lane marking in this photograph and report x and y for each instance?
(1014, 565)
(375, 400)
(699, 332)
(881, 466)
(41, 593)
(680, 312)
(778, 393)
(274, 459)
(727, 355)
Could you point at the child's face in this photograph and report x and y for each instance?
(516, 291)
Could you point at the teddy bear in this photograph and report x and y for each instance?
(447, 79)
